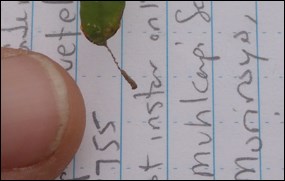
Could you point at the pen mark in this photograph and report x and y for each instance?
(149, 6)
(277, 114)
(193, 100)
(250, 18)
(157, 137)
(178, 43)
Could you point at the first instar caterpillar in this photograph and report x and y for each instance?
(100, 20)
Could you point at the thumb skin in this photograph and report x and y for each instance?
(42, 116)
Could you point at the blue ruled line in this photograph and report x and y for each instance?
(258, 88)
(76, 51)
(76, 68)
(167, 105)
(32, 25)
(121, 100)
(213, 91)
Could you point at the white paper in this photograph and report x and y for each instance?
(189, 61)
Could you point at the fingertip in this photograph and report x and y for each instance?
(43, 116)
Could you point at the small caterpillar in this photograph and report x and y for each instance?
(100, 20)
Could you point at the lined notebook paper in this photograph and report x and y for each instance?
(210, 97)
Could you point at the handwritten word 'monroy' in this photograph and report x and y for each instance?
(245, 162)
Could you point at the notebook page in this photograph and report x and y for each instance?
(210, 96)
